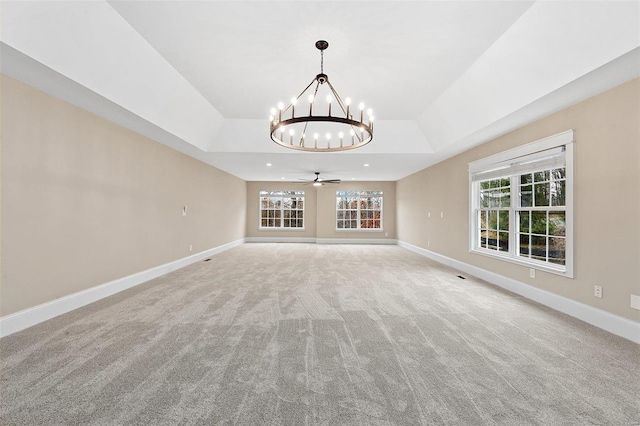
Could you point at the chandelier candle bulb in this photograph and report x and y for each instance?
(341, 135)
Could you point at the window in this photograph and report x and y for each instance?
(282, 210)
(521, 205)
(361, 210)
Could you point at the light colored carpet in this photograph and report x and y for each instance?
(297, 334)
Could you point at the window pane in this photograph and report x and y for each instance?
(300, 204)
(495, 198)
(286, 202)
(524, 222)
(484, 184)
(557, 174)
(557, 225)
(524, 179)
(505, 200)
(483, 239)
(557, 193)
(539, 248)
(287, 223)
(539, 222)
(493, 219)
(340, 224)
(541, 176)
(263, 223)
(483, 219)
(484, 199)
(505, 182)
(557, 250)
(503, 241)
(300, 223)
(526, 196)
(353, 224)
(524, 245)
(495, 183)
(541, 194)
(287, 214)
(503, 220)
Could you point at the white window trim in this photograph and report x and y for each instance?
(335, 220)
(282, 228)
(502, 159)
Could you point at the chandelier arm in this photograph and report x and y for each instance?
(315, 93)
(338, 98)
(299, 96)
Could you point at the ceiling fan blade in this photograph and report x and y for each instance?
(332, 181)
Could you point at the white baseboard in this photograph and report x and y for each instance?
(280, 240)
(10, 324)
(319, 240)
(612, 323)
(356, 241)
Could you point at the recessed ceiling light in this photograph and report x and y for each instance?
(366, 164)
(353, 178)
(269, 164)
(282, 178)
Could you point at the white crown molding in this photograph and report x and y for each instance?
(612, 323)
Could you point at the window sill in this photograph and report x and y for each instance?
(562, 271)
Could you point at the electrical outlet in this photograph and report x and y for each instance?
(184, 210)
(429, 214)
(597, 291)
(441, 215)
(190, 247)
(532, 273)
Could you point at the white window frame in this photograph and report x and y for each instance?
(282, 194)
(358, 195)
(510, 164)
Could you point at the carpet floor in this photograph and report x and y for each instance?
(311, 334)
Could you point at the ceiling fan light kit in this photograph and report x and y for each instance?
(320, 182)
(317, 132)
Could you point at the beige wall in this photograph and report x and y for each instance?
(85, 201)
(607, 201)
(320, 210)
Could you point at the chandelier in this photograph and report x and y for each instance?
(323, 129)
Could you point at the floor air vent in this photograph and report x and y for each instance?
(206, 260)
(461, 277)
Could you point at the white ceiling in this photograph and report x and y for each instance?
(441, 76)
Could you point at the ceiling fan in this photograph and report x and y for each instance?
(319, 182)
